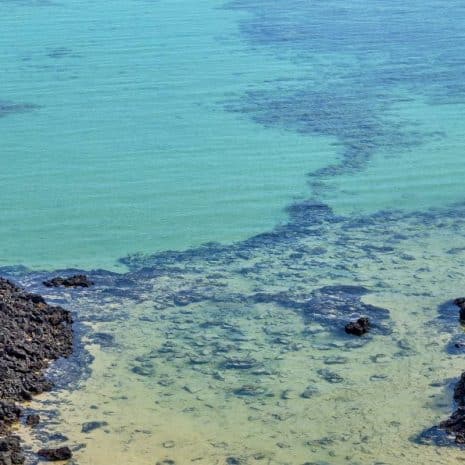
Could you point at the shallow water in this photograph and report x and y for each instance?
(132, 128)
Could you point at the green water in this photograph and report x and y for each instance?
(130, 150)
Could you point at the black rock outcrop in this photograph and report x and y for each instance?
(78, 280)
(32, 333)
(455, 424)
(359, 327)
(55, 455)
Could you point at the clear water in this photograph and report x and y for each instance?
(130, 128)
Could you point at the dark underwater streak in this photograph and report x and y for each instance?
(10, 108)
(378, 52)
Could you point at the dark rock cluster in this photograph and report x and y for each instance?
(78, 280)
(32, 333)
(359, 327)
(55, 455)
(10, 451)
(455, 425)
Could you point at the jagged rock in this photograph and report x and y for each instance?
(10, 451)
(32, 420)
(456, 425)
(9, 413)
(78, 280)
(55, 455)
(359, 327)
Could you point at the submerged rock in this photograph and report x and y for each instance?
(78, 280)
(32, 420)
(359, 327)
(330, 376)
(309, 392)
(238, 364)
(249, 390)
(92, 425)
(55, 455)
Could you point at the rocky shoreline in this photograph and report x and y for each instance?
(454, 426)
(32, 334)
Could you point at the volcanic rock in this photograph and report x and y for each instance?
(78, 280)
(359, 327)
(55, 455)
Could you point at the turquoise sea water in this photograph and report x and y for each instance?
(315, 148)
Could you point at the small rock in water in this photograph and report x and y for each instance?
(78, 280)
(238, 364)
(309, 392)
(92, 425)
(55, 455)
(249, 390)
(143, 370)
(233, 461)
(335, 360)
(287, 394)
(330, 376)
(32, 420)
(57, 437)
(359, 327)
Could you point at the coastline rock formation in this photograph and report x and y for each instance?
(455, 425)
(32, 333)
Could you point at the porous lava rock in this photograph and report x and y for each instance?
(55, 455)
(32, 333)
(359, 327)
(78, 280)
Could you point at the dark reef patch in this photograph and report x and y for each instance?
(59, 52)
(376, 63)
(10, 108)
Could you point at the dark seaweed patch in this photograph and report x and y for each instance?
(376, 59)
(10, 108)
